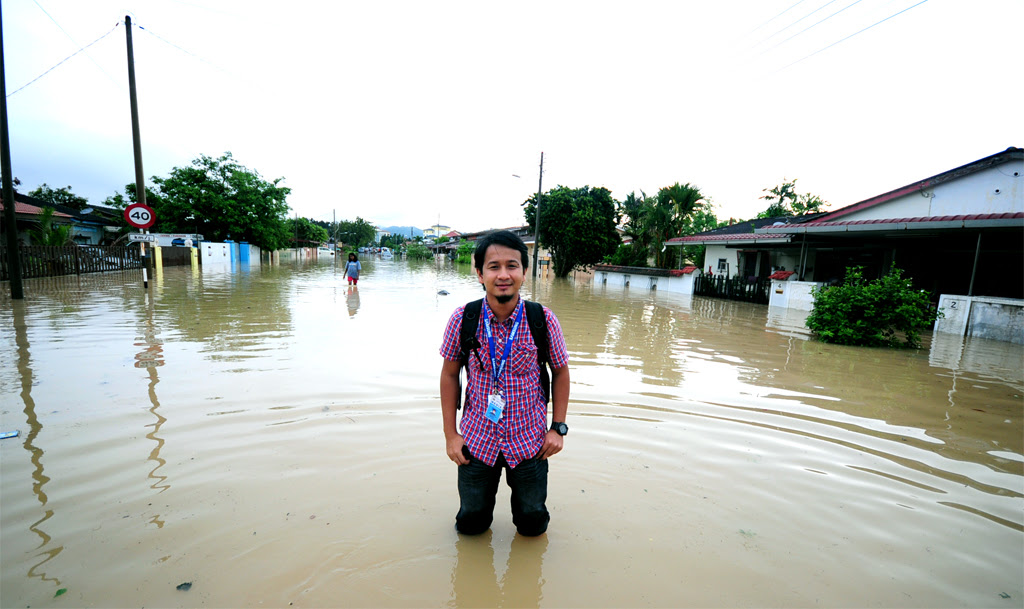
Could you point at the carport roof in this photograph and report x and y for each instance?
(1003, 220)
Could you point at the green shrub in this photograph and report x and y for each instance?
(628, 254)
(464, 255)
(885, 312)
(417, 250)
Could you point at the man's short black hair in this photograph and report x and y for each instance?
(501, 237)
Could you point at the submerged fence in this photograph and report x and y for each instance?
(44, 261)
(750, 289)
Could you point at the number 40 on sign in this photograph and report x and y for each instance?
(139, 215)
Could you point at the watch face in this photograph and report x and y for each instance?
(561, 428)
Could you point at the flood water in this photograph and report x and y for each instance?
(273, 438)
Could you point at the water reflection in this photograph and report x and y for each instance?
(352, 300)
(151, 358)
(45, 549)
(475, 581)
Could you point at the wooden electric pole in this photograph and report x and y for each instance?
(10, 219)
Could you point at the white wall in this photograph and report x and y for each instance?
(676, 285)
(712, 253)
(215, 253)
(982, 317)
(791, 294)
(992, 191)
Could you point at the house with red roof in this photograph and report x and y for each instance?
(959, 233)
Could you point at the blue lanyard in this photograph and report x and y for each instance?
(498, 365)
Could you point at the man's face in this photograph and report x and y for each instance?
(503, 273)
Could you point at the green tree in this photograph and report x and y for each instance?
(358, 232)
(577, 226)
(49, 232)
(307, 232)
(885, 312)
(628, 254)
(701, 220)
(655, 220)
(219, 198)
(785, 201)
(59, 196)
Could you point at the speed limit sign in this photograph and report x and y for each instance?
(139, 215)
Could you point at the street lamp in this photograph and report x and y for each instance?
(536, 222)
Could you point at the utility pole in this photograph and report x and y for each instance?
(536, 223)
(10, 219)
(140, 180)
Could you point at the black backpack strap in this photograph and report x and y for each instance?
(467, 339)
(539, 329)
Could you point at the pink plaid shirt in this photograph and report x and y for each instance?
(519, 434)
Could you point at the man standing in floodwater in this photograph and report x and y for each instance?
(504, 423)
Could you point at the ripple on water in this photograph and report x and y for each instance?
(277, 428)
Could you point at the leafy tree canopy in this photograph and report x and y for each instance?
(576, 224)
(59, 196)
(220, 199)
(306, 232)
(358, 232)
(784, 200)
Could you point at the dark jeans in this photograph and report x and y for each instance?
(478, 486)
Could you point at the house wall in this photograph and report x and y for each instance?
(712, 254)
(992, 191)
(87, 235)
(788, 260)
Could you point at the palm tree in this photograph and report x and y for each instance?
(49, 233)
(664, 216)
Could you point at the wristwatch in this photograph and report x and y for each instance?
(560, 428)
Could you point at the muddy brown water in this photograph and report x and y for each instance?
(273, 438)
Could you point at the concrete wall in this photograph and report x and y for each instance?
(625, 279)
(982, 317)
(215, 253)
(791, 294)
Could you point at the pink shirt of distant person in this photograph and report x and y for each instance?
(519, 434)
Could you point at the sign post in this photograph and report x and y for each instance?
(141, 217)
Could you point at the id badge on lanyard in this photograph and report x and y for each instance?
(495, 401)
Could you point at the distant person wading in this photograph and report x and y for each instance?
(352, 268)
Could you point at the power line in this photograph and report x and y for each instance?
(73, 41)
(186, 51)
(811, 26)
(792, 24)
(773, 18)
(854, 34)
(65, 59)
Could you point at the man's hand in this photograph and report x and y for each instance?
(552, 444)
(455, 444)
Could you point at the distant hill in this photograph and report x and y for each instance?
(403, 230)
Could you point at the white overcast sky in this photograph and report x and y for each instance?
(410, 112)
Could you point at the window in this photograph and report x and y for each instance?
(721, 265)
